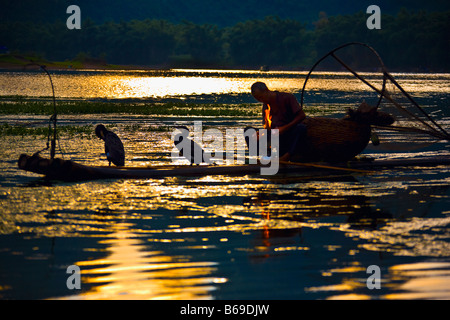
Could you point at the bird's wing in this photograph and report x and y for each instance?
(115, 147)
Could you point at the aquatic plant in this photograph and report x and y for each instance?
(21, 105)
(24, 130)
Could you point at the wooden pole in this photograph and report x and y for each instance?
(314, 165)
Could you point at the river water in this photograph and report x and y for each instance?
(298, 236)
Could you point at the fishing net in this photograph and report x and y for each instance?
(414, 126)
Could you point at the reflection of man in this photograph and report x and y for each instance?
(283, 112)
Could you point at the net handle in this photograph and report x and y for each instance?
(331, 53)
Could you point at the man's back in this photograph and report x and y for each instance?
(282, 111)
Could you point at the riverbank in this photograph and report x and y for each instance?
(28, 62)
(19, 62)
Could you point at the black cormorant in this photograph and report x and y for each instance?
(113, 145)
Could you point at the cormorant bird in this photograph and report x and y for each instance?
(182, 142)
(113, 145)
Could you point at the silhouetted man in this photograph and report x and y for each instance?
(282, 111)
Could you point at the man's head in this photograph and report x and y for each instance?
(260, 92)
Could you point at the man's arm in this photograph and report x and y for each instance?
(297, 111)
(300, 116)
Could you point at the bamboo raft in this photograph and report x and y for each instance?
(335, 141)
(66, 170)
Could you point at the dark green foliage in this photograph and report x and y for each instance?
(223, 13)
(407, 41)
(271, 41)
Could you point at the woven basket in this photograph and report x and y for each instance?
(333, 140)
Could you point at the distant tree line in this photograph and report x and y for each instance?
(417, 41)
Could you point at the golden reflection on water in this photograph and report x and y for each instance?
(415, 281)
(273, 211)
(415, 237)
(130, 271)
(133, 84)
(423, 280)
(164, 87)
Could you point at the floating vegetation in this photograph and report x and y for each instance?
(21, 130)
(20, 105)
(71, 130)
(141, 128)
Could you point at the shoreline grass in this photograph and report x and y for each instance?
(16, 61)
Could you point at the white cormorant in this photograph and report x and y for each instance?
(189, 148)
